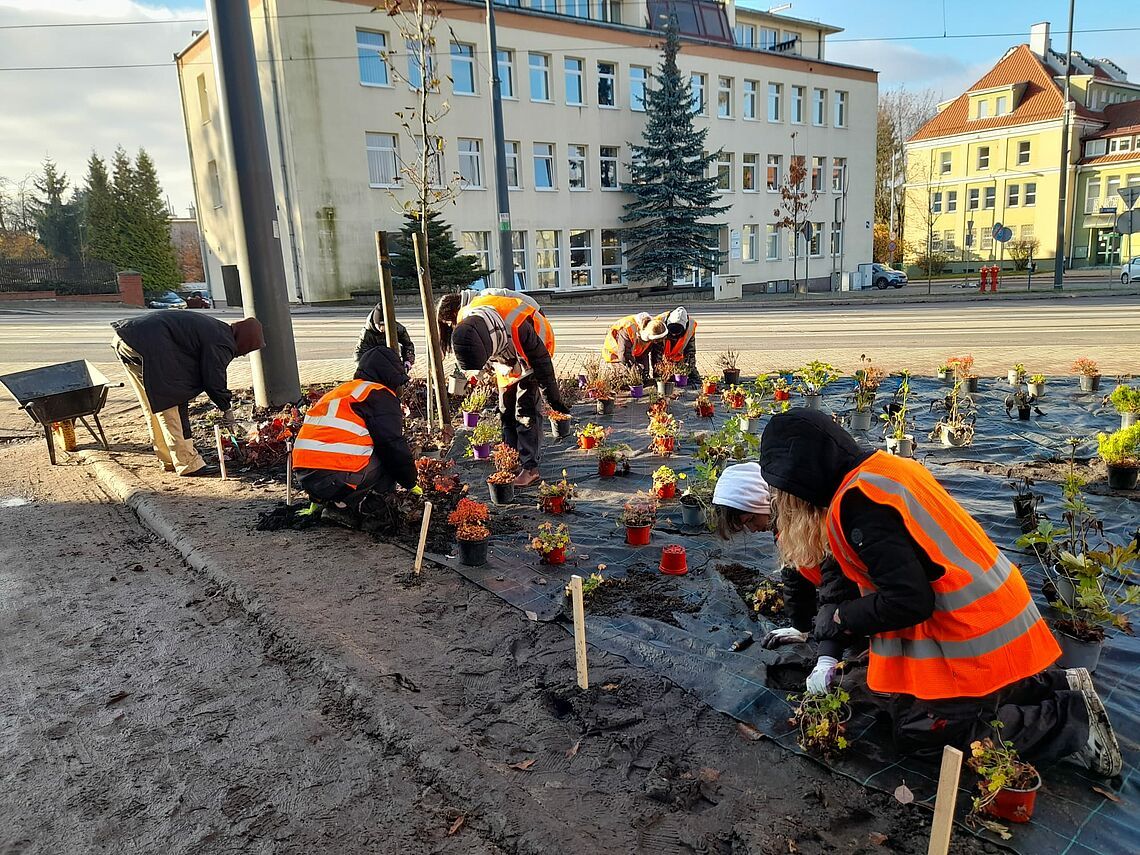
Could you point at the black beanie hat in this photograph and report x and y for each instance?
(471, 342)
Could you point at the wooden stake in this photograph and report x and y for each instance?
(945, 802)
(221, 455)
(289, 477)
(579, 632)
(438, 383)
(387, 298)
(423, 537)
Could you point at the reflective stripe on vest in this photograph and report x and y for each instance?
(812, 574)
(515, 313)
(611, 348)
(675, 350)
(334, 437)
(985, 632)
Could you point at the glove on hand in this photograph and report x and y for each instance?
(819, 680)
(777, 637)
(825, 624)
(228, 418)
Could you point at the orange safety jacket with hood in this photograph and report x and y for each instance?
(515, 312)
(674, 350)
(630, 327)
(334, 437)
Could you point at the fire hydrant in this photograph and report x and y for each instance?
(983, 276)
(995, 277)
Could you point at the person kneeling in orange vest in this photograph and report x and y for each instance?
(680, 342)
(630, 340)
(956, 640)
(352, 441)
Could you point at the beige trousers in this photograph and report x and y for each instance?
(174, 449)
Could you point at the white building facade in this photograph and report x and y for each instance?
(334, 76)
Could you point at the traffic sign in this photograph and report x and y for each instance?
(996, 230)
(1004, 235)
(1129, 195)
(892, 246)
(1128, 223)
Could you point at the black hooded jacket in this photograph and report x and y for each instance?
(806, 454)
(373, 336)
(472, 345)
(383, 414)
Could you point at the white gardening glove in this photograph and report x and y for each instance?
(777, 637)
(819, 680)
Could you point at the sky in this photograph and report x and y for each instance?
(68, 113)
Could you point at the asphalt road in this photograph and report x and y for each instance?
(1045, 334)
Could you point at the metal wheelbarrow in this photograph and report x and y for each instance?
(69, 391)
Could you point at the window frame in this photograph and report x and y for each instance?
(750, 91)
(1023, 157)
(725, 96)
(395, 156)
(610, 268)
(556, 270)
(771, 242)
(775, 107)
(1012, 195)
(779, 167)
(509, 78)
(612, 77)
(577, 153)
(749, 162)
(467, 59)
(381, 55)
(552, 159)
(588, 249)
(544, 68)
(750, 243)
(945, 162)
(698, 93)
(839, 109)
(603, 159)
(514, 155)
(1029, 196)
(818, 168)
(473, 156)
(797, 102)
(979, 165)
(636, 85)
(819, 107)
(725, 165)
(838, 174)
(568, 75)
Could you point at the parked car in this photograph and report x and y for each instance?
(197, 300)
(1131, 271)
(166, 300)
(886, 277)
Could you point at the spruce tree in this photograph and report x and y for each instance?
(142, 224)
(450, 269)
(99, 226)
(57, 221)
(674, 195)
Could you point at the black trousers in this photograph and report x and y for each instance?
(522, 426)
(1043, 718)
(324, 485)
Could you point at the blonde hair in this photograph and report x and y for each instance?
(803, 530)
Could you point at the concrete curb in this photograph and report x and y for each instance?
(514, 822)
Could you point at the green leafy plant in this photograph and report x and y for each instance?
(591, 584)
(727, 360)
(487, 432)
(896, 418)
(617, 452)
(815, 376)
(1036, 378)
(767, 599)
(1018, 371)
(822, 721)
(593, 431)
(664, 476)
(868, 378)
(999, 767)
(550, 537)
(1121, 447)
(474, 402)
(1125, 399)
(639, 510)
(729, 443)
(559, 489)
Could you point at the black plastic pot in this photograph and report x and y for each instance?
(664, 387)
(1076, 653)
(731, 376)
(691, 512)
(473, 553)
(605, 406)
(1122, 477)
(1023, 507)
(971, 384)
(501, 494)
(1023, 413)
(559, 428)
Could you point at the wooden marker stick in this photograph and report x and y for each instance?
(289, 477)
(221, 454)
(945, 802)
(579, 632)
(423, 537)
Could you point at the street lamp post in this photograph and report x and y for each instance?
(502, 194)
(1063, 177)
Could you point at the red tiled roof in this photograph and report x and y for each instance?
(1122, 119)
(1041, 100)
(1119, 157)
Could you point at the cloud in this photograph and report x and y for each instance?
(901, 64)
(67, 114)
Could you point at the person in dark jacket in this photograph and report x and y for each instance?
(373, 336)
(173, 357)
(956, 641)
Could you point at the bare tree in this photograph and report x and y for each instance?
(901, 114)
(796, 201)
(921, 185)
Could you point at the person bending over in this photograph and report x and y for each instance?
(630, 341)
(372, 335)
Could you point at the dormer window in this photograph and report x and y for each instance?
(1002, 105)
(983, 109)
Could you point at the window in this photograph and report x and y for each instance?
(750, 99)
(793, 37)
(972, 199)
(215, 184)
(987, 242)
(970, 238)
(816, 245)
(1023, 152)
(697, 93)
(951, 201)
(946, 160)
(840, 104)
(800, 161)
(546, 261)
(745, 35)
(574, 81)
(581, 258)
(462, 68)
(544, 5)
(544, 166)
(768, 38)
(478, 244)
(983, 157)
(990, 198)
(607, 84)
(750, 163)
(748, 243)
(772, 243)
(983, 109)
(370, 50)
(1001, 105)
(838, 174)
(948, 242)
(611, 257)
(775, 90)
(204, 100)
(1012, 195)
(818, 165)
(724, 162)
(1095, 148)
(772, 173)
(576, 170)
(798, 93)
(578, 8)
(415, 73)
(511, 148)
(819, 107)
(836, 237)
(518, 253)
(1027, 231)
(936, 242)
(383, 160)
(539, 76)
(724, 97)
(471, 163)
(506, 73)
(1031, 193)
(936, 202)
(638, 78)
(609, 163)
(1111, 189)
(435, 159)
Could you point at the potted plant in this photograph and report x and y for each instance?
(1088, 372)
(821, 720)
(1036, 385)
(551, 542)
(704, 406)
(471, 533)
(697, 498)
(590, 435)
(472, 406)
(675, 371)
(555, 498)
(501, 482)
(896, 420)
(456, 381)
(665, 482)
(1025, 503)
(754, 411)
(611, 458)
(627, 377)
(559, 424)
(963, 369)
(1016, 374)
(1022, 402)
(1120, 450)
(734, 396)
(601, 390)
(666, 377)
(945, 372)
(1008, 786)
(663, 428)
(868, 378)
(638, 515)
(727, 364)
(708, 386)
(781, 389)
(1126, 401)
(485, 434)
(956, 428)
(814, 378)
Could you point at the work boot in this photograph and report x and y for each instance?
(527, 477)
(1102, 752)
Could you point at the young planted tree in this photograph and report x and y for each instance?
(57, 221)
(674, 195)
(796, 201)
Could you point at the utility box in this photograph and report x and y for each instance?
(726, 287)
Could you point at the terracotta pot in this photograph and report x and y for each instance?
(673, 560)
(587, 442)
(681, 380)
(636, 391)
(706, 412)
(736, 403)
(710, 387)
(1014, 805)
(1090, 382)
(482, 451)
(555, 556)
(731, 376)
(637, 535)
(470, 420)
(667, 491)
(664, 444)
(473, 553)
(554, 504)
(605, 406)
(782, 395)
(1122, 477)
(607, 468)
(501, 494)
(559, 428)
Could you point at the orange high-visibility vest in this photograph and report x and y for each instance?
(611, 348)
(515, 313)
(334, 437)
(812, 574)
(985, 633)
(675, 350)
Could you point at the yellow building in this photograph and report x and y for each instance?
(991, 157)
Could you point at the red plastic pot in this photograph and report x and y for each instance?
(554, 504)
(1014, 805)
(607, 468)
(673, 560)
(665, 444)
(667, 491)
(705, 412)
(782, 395)
(555, 556)
(587, 442)
(637, 535)
(736, 403)
(710, 388)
